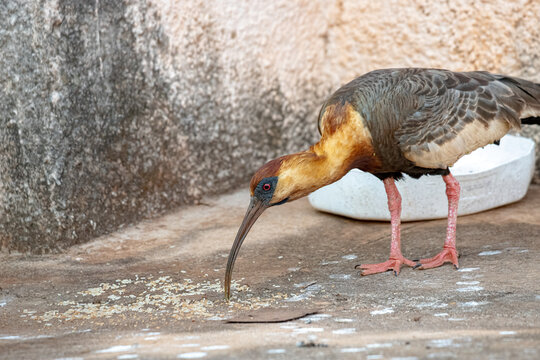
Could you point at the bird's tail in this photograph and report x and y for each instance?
(535, 106)
(532, 120)
(531, 112)
(529, 93)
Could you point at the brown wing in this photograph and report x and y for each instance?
(457, 113)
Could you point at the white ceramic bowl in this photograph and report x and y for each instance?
(489, 177)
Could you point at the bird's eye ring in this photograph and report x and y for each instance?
(266, 187)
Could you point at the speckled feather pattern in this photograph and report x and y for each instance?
(429, 118)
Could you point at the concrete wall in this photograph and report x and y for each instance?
(113, 111)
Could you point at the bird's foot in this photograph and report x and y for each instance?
(394, 264)
(448, 254)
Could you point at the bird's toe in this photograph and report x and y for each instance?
(446, 255)
(392, 264)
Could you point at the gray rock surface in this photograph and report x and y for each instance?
(115, 111)
(89, 139)
(79, 151)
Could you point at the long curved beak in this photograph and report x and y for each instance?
(255, 209)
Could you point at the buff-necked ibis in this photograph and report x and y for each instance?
(393, 122)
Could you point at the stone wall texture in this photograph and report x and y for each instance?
(115, 111)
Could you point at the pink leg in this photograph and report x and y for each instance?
(396, 258)
(449, 252)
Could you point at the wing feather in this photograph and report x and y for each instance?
(456, 114)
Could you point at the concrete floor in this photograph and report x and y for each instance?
(155, 290)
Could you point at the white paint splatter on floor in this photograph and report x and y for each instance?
(343, 320)
(473, 303)
(215, 347)
(374, 357)
(117, 348)
(127, 356)
(379, 345)
(189, 345)
(468, 269)
(192, 355)
(310, 289)
(470, 288)
(349, 257)
(441, 314)
(17, 337)
(324, 262)
(507, 333)
(292, 326)
(316, 317)
(431, 305)
(306, 330)
(472, 276)
(352, 350)
(10, 337)
(276, 351)
(345, 331)
(440, 343)
(382, 311)
(443, 355)
(467, 282)
(489, 253)
(340, 276)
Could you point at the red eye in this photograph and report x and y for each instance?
(266, 187)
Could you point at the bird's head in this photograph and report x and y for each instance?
(267, 186)
(279, 181)
(284, 179)
(271, 185)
